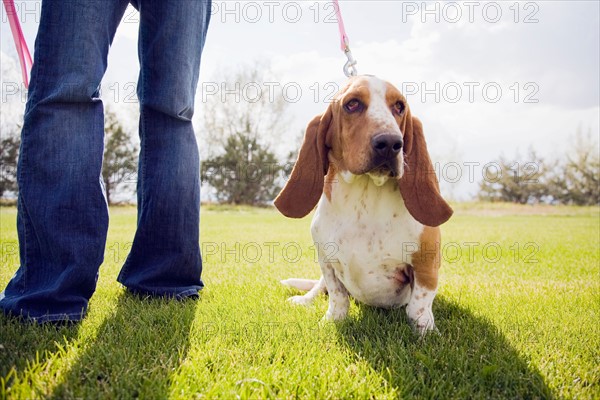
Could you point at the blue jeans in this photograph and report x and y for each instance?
(62, 217)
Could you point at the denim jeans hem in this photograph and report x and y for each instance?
(188, 293)
(45, 319)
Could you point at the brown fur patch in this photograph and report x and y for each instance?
(426, 261)
(329, 181)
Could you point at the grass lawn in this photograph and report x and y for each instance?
(518, 312)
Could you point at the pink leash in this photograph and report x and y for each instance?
(20, 43)
(350, 67)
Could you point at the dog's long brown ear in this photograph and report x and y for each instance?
(305, 185)
(419, 185)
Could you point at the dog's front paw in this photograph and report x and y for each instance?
(300, 300)
(335, 315)
(419, 311)
(424, 324)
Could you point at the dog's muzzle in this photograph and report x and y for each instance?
(386, 149)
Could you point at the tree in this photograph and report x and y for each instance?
(572, 179)
(120, 161)
(9, 154)
(515, 181)
(244, 174)
(577, 179)
(242, 121)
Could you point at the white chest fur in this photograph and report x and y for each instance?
(368, 236)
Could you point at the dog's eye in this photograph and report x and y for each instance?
(398, 107)
(353, 105)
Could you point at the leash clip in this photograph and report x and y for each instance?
(350, 66)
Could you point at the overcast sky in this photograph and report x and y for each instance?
(486, 78)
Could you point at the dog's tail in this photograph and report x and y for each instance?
(300, 284)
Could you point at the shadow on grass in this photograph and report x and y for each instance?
(28, 347)
(135, 352)
(470, 358)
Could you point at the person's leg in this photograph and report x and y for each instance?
(62, 213)
(165, 255)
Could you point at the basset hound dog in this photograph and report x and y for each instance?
(376, 226)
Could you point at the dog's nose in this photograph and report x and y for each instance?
(386, 145)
